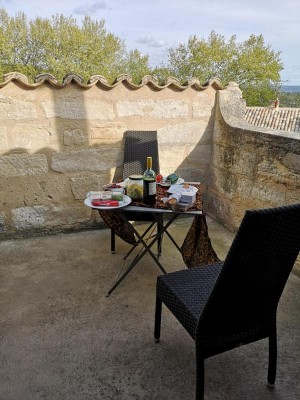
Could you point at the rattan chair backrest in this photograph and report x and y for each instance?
(254, 273)
(137, 147)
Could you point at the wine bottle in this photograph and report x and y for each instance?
(149, 184)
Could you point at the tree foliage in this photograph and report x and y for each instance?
(60, 46)
(136, 65)
(252, 64)
(289, 99)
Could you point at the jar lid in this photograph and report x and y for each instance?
(136, 177)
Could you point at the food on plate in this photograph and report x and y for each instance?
(105, 203)
(117, 196)
(112, 186)
(172, 201)
(105, 195)
(100, 195)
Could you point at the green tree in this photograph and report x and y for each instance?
(60, 46)
(14, 42)
(252, 64)
(161, 73)
(136, 65)
(289, 99)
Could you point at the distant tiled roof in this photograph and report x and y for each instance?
(285, 119)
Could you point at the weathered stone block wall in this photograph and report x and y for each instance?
(251, 167)
(57, 142)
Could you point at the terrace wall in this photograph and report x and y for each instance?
(58, 141)
(251, 167)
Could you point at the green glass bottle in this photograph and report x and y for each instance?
(149, 184)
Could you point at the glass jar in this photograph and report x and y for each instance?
(135, 187)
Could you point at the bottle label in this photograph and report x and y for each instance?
(152, 188)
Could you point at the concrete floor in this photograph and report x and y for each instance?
(62, 339)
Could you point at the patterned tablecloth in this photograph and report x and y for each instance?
(196, 248)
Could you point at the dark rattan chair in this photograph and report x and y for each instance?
(232, 303)
(138, 145)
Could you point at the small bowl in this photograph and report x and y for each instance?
(165, 184)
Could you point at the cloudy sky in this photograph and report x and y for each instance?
(152, 26)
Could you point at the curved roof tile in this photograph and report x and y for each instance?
(102, 82)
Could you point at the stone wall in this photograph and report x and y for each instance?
(251, 167)
(58, 141)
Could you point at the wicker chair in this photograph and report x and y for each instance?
(232, 303)
(138, 145)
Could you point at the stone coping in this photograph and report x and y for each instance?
(102, 82)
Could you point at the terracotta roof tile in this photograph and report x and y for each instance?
(286, 119)
(102, 81)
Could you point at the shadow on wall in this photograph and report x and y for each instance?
(69, 125)
(138, 145)
(70, 143)
(51, 162)
(197, 165)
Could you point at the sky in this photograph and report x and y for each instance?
(154, 26)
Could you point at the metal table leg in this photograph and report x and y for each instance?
(147, 248)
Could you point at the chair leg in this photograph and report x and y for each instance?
(272, 358)
(157, 325)
(199, 378)
(112, 242)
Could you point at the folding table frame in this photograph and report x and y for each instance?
(163, 226)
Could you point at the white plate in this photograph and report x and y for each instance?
(126, 199)
(163, 184)
(176, 187)
(178, 182)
